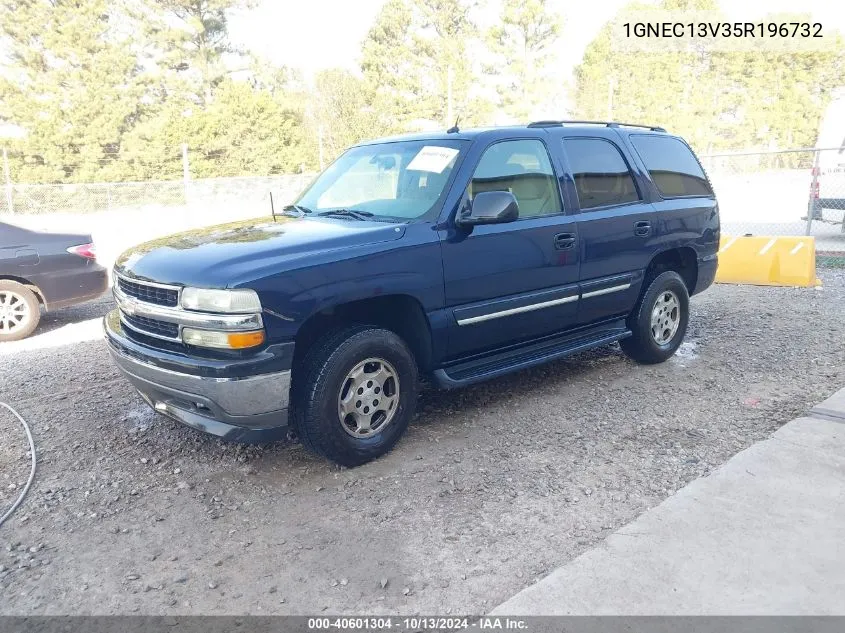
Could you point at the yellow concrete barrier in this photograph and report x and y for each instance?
(767, 261)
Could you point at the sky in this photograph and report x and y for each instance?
(317, 34)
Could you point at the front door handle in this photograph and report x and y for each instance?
(642, 229)
(564, 241)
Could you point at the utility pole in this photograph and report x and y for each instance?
(186, 170)
(9, 203)
(450, 119)
(320, 144)
(813, 204)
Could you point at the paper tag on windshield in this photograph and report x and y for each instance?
(433, 158)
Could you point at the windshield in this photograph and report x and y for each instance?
(401, 180)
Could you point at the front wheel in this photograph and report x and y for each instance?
(659, 321)
(355, 394)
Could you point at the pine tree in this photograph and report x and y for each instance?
(342, 112)
(73, 82)
(673, 89)
(716, 99)
(416, 62)
(522, 44)
(193, 36)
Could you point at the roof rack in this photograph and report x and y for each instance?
(653, 128)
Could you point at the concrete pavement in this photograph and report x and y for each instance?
(762, 535)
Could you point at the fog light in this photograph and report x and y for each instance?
(222, 340)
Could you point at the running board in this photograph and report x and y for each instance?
(479, 369)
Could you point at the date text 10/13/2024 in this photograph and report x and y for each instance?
(416, 623)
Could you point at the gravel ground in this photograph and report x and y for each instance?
(492, 487)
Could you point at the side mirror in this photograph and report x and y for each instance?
(490, 207)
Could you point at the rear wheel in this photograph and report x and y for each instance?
(355, 394)
(20, 311)
(659, 321)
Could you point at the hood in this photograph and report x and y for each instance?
(232, 254)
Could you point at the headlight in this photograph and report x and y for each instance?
(222, 340)
(225, 301)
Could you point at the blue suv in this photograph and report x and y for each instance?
(461, 256)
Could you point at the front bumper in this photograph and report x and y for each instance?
(244, 408)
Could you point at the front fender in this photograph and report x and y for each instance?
(411, 266)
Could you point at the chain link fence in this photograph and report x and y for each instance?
(785, 192)
(249, 193)
(121, 215)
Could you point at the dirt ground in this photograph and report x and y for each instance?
(492, 487)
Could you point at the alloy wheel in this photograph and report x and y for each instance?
(14, 312)
(368, 398)
(665, 317)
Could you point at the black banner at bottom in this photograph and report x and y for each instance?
(403, 624)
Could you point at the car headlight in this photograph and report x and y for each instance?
(238, 301)
(222, 340)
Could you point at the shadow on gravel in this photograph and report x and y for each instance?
(529, 383)
(96, 308)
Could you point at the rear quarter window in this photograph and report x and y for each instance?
(601, 175)
(672, 166)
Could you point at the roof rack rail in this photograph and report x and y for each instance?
(561, 123)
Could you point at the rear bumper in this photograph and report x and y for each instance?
(251, 408)
(74, 287)
(706, 273)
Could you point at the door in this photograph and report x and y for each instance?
(615, 227)
(506, 283)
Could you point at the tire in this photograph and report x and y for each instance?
(326, 416)
(665, 300)
(20, 311)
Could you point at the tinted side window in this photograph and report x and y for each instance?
(601, 174)
(523, 168)
(672, 166)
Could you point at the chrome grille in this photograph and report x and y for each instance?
(152, 309)
(159, 295)
(154, 327)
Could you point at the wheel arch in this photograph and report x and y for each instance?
(682, 259)
(400, 313)
(28, 284)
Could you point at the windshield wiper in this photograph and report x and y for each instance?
(295, 207)
(348, 213)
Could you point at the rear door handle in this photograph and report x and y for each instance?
(564, 241)
(642, 229)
